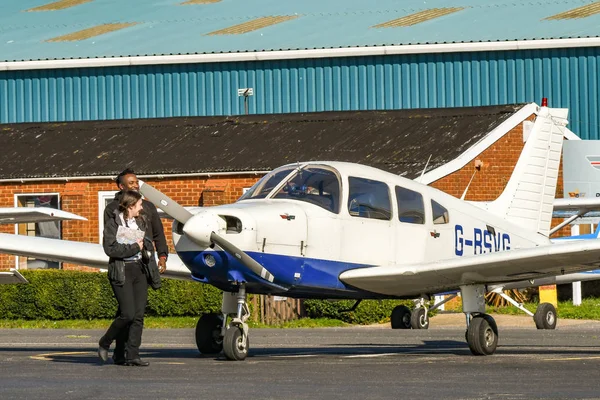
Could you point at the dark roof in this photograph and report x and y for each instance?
(396, 141)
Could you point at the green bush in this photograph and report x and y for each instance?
(58, 295)
(367, 312)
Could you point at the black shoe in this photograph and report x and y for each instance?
(103, 353)
(119, 360)
(136, 362)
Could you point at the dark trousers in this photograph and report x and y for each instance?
(132, 298)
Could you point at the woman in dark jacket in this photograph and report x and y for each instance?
(130, 268)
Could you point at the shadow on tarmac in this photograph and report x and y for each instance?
(64, 354)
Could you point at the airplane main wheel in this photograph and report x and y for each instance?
(400, 318)
(545, 316)
(482, 335)
(235, 346)
(419, 318)
(208, 334)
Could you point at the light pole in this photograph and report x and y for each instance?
(246, 92)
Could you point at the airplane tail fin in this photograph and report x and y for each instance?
(528, 197)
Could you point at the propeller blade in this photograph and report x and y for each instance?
(243, 257)
(165, 203)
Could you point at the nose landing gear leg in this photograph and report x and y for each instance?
(235, 332)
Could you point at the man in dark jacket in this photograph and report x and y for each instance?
(127, 180)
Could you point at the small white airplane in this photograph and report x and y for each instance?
(340, 230)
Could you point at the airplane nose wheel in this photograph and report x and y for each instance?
(235, 344)
(235, 333)
(482, 335)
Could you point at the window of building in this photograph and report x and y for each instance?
(410, 206)
(369, 199)
(440, 214)
(47, 229)
(104, 197)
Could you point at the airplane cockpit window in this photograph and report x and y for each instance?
(267, 183)
(410, 206)
(369, 199)
(440, 214)
(315, 185)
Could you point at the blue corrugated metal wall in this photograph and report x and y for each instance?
(568, 77)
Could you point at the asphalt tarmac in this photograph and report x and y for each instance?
(350, 363)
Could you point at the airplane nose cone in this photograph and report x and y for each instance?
(200, 226)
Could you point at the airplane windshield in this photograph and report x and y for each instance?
(263, 187)
(315, 185)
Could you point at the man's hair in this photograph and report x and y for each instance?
(126, 171)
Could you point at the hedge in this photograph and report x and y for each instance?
(57, 295)
(60, 295)
(367, 312)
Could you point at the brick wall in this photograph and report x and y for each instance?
(81, 197)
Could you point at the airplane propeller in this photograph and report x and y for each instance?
(199, 229)
(165, 203)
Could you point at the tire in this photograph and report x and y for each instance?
(482, 335)
(400, 318)
(234, 347)
(419, 318)
(208, 334)
(545, 316)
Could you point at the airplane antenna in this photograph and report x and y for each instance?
(424, 169)
(478, 164)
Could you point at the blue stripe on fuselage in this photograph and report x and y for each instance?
(317, 278)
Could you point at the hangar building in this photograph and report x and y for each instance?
(84, 60)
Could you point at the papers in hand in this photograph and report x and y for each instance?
(127, 235)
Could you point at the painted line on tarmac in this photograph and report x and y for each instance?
(402, 353)
(81, 344)
(49, 356)
(287, 356)
(372, 355)
(573, 358)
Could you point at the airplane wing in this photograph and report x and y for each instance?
(577, 203)
(19, 215)
(12, 276)
(508, 266)
(81, 253)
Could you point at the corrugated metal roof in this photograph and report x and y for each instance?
(166, 27)
(417, 18)
(396, 141)
(200, 2)
(579, 12)
(59, 5)
(253, 25)
(91, 32)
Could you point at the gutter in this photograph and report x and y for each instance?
(112, 177)
(301, 54)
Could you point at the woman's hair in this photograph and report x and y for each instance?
(128, 199)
